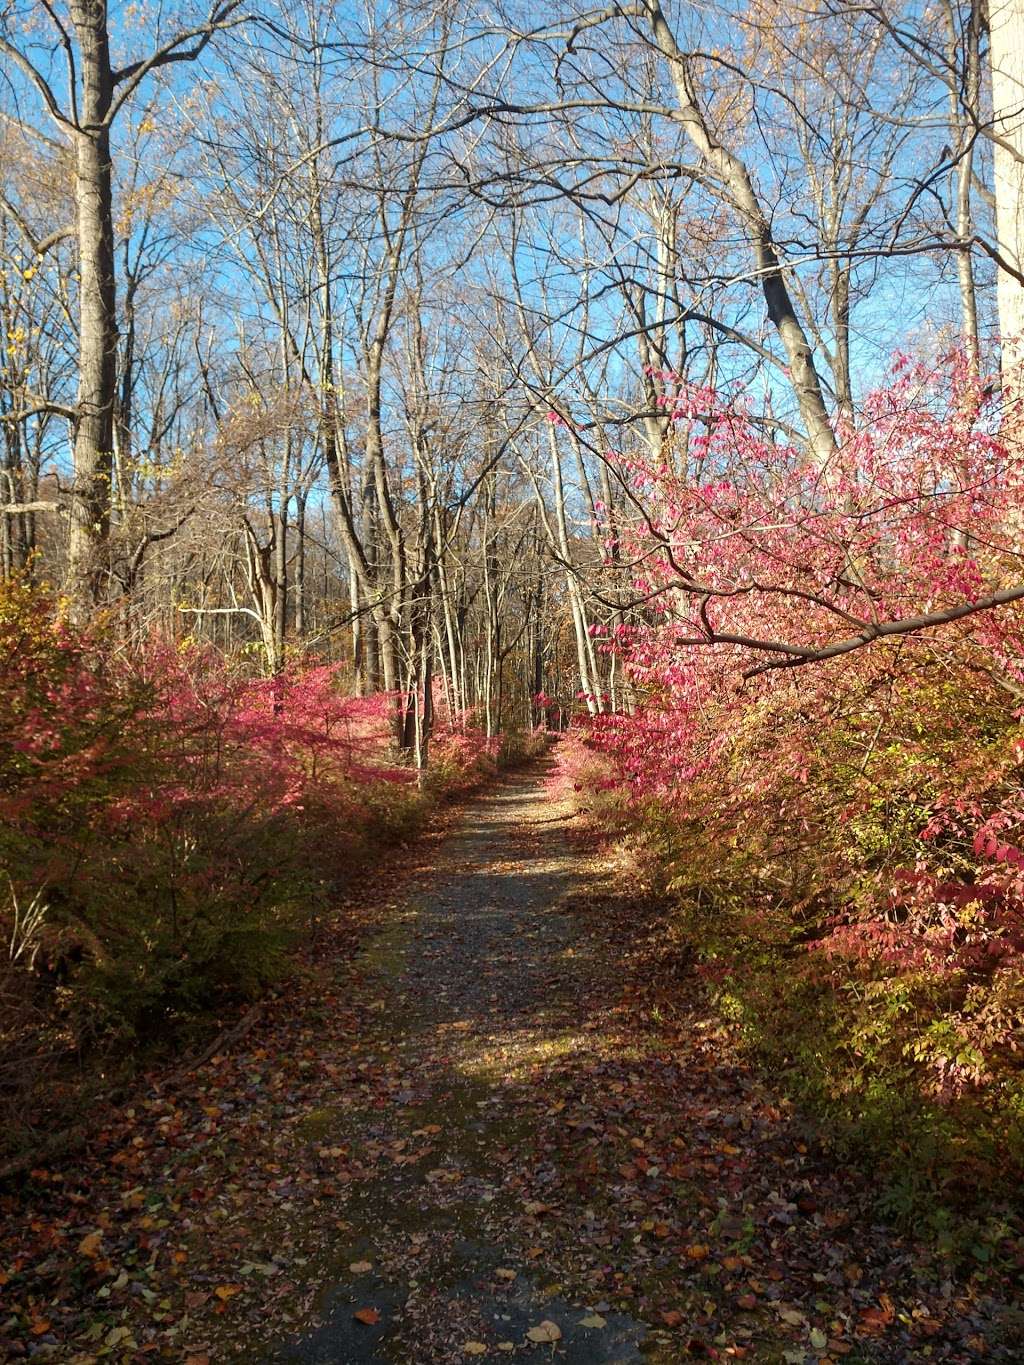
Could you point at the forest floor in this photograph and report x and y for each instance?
(494, 1118)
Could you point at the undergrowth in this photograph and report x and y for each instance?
(169, 827)
(911, 1065)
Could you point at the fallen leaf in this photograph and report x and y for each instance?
(227, 1291)
(593, 1320)
(819, 1340)
(545, 1332)
(871, 1322)
(89, 1246)
(698, 1252)
(360, 1267)
(671, 1317)
(368, 1316)
(505, 1274)
(475, 1348)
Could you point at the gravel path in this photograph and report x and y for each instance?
(560, 1174)
(485, 979)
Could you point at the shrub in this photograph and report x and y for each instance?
(845, 841)
(177, 818)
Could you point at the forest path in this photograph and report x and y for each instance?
(556, 1161)
(484, 987)
(499, 1122)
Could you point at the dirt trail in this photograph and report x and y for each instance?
(484, 981)
(469, 1136)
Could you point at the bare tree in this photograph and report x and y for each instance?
(95, 92)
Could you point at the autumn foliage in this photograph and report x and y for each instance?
(844, 835)
(169, 822)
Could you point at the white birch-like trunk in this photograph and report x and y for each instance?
(1006, 27)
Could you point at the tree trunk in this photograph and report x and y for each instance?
(94, 431)
(965, 101)
(730, 169)
(300, 563)
(1006, 29)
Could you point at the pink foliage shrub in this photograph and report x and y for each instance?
(176, 818)
(862, 815)
(461, 753)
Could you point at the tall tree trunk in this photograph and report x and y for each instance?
(734, 175)
(840, 306)
(300, 562)
(280, 571)
(1006, 30)
(590, 683)
(965, 101)
(94, 431)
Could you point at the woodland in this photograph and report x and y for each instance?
(396, 395)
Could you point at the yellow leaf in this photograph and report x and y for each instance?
(545, 1332)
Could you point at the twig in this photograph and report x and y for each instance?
(223, 1039)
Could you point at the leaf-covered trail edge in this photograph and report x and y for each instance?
(493, 1118)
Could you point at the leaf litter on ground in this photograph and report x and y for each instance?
(507, 1108)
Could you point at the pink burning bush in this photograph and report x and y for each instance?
(826, 746)
(175, 818)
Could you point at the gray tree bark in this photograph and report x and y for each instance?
(1006, 29)
(97, 360)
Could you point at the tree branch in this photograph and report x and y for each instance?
(795, 656)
